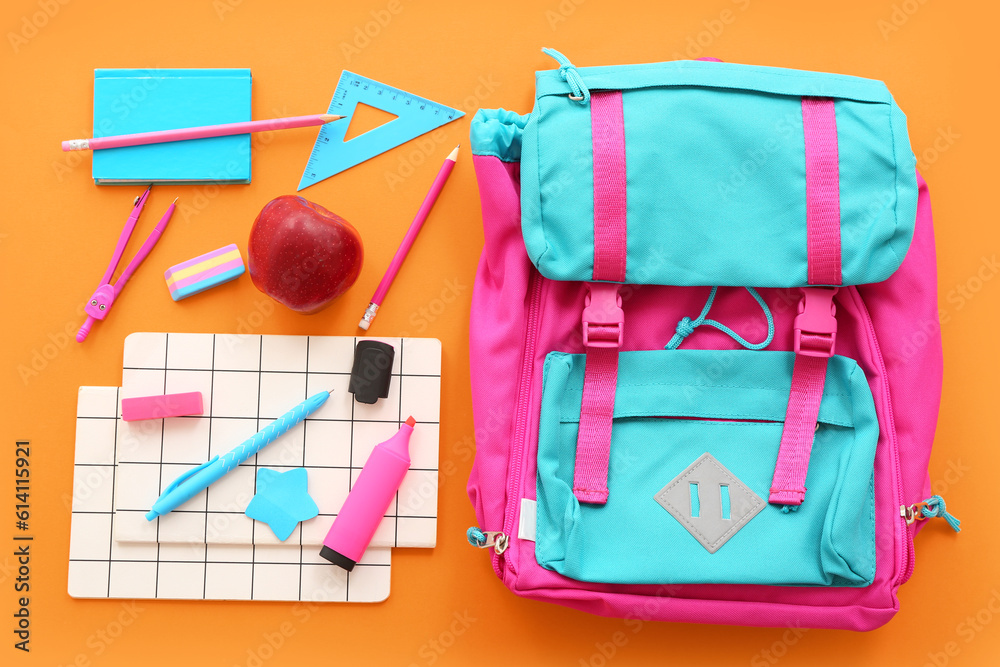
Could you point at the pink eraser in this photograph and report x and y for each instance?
(165, 405)
(205, 271)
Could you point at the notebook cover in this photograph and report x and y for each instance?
(143, 100)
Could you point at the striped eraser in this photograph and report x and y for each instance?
(205, 271)
(165, 405)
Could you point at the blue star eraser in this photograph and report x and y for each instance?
(282, 500)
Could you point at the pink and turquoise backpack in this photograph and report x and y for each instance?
(706, 358)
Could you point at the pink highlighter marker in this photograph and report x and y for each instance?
(369, 499)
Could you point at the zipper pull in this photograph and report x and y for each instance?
(911, 513)
(932, 507)
(489, 538)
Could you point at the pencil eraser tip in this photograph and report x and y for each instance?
(76, 145)
(363, 324)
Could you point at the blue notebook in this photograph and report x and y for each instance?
(143, 100)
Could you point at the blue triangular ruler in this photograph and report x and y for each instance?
(415, 116)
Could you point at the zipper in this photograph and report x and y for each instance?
(716, 419)
(908, 556)
(522, 414)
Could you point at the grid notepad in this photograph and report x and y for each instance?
(246, 382)
(100, 567)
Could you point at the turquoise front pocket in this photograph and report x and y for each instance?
(693, 448)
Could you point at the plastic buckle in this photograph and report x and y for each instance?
(816, 322)
(603, 317)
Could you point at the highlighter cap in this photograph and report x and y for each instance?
(372, 371)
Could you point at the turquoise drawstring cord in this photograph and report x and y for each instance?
(935, 507)
(476, 537)
(686, 326)
(569, 74)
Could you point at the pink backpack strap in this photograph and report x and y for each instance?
(603, 318)
(788, 486)
(819, 125)
(610, 231)
(816, 323)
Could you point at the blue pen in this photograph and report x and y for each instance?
(194, 481)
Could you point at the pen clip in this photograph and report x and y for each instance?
(184, 477)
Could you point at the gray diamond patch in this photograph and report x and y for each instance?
(710, 502)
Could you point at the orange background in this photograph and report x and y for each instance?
(57, 230)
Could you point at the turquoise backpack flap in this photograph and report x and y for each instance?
(686, 446)
(737, 214)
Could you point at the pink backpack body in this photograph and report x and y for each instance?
(520, 317)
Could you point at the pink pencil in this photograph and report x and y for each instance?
(411, 236)
(163, 136)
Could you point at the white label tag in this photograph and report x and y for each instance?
(526, 524)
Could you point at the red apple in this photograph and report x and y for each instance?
(302, 255)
